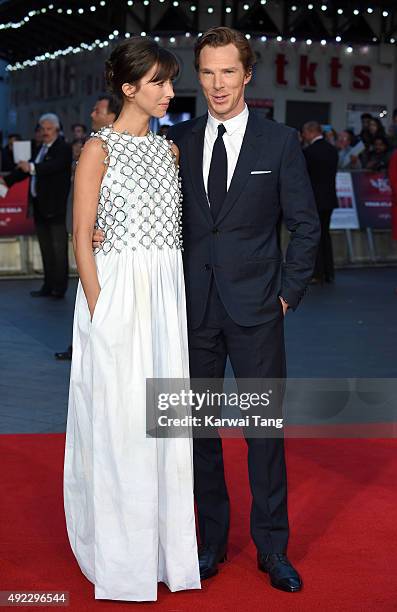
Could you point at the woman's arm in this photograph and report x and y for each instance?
(88, 177)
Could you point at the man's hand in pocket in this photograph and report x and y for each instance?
(97, 238)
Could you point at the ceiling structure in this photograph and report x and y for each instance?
(31, 28)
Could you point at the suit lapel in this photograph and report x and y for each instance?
(251, 148)
(195, 163)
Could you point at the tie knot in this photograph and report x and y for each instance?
(221, 130)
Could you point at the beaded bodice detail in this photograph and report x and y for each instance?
(140, 199)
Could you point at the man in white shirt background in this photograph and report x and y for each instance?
(49, 173)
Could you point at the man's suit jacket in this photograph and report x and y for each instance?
(322, 165)
(241, 246)
(53, 179)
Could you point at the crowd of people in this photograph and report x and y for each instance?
(371, 149)
(78, 133)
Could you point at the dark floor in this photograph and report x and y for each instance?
(348, 329)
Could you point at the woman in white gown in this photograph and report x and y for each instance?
(129, 498)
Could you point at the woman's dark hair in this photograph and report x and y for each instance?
(133, 58)
(352, 136)
(380, 127)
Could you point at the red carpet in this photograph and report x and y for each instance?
(343, 514)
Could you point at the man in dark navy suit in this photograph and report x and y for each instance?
(322, 165)
(240, 172)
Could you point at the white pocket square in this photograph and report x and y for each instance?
(261, 172)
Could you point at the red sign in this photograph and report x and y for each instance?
(13, 211)
(307, 73)
(373, 199)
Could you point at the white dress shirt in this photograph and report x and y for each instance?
(233, 138)
(320, 137)
(32, 170)
(42, 152)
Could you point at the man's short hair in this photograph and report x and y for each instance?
(51, 118)
(220, 37)
(75, 125)
(313, 126)
(114, 103)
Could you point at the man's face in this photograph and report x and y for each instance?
(49, 132)
(78, 132)
(100, 115)
(343, 140)
(223, 80)
(307, 135)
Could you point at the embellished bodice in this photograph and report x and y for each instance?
(140, 198)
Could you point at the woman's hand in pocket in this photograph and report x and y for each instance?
(92, 305)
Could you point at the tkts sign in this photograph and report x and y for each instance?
(308, 70)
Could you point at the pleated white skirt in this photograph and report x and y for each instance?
(129, 499)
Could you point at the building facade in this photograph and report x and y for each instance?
(293, 82)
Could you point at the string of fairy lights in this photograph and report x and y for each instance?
(172, 40)
(51, 8)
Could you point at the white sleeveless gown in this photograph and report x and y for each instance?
(129, 499)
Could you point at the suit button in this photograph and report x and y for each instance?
(215, 230)
(207, 267)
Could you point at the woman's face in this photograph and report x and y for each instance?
(151, 98)
(379, 146)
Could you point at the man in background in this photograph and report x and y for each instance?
(105, 111)
(49, 174)
(79, 132)
(322, 164)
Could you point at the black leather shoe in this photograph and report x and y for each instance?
(40, 293)
(65, 356)
(210, 555)
(282, 574)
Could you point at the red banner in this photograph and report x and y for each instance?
(13, 211)
(373, 199)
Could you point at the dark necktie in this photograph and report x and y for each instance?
(217, 177)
